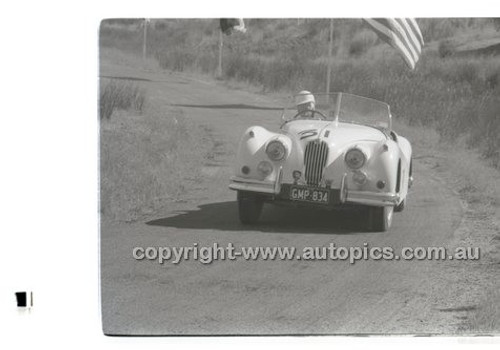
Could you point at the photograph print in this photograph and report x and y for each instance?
(299, 176)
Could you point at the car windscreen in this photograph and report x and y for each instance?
(356, 109)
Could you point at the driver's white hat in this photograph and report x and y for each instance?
(304, 97)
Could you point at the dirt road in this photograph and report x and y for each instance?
(276, 297)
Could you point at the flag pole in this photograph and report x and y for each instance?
(329, 63)
(221, 43)
(145, 39)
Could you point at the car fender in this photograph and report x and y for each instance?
(252, 150)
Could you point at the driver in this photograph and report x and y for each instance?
(305, 103)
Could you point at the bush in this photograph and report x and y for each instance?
(446, 48)
(440, 28)
(485, 135)
(116, 95)
(357, 48)
(492, 79)
(178, 60)
(496, 23)
(361, 42)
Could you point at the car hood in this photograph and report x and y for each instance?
(335, 134)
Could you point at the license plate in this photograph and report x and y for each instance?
(307, 194)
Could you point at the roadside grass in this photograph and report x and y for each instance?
(113, 56)
(472, 178)
(146, 161)
(485, 320)
(478, 185)
(119, 95)
(148, 154)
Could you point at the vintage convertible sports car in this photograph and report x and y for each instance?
(346, 154)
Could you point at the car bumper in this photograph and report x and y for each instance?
(279, 191)
(242, 184)
(372, 198)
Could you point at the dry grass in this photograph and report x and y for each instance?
(146, 161)
(116, 57)
(485, 320)
(145, 151)
(118, 95)
(478, 185)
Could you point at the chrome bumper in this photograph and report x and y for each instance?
(358, 197)
(372, 198)
(242, 184)
(270, 187)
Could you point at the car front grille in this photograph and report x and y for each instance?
(315, 158)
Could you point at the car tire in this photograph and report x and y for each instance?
(380, 218)
(400, 207)
(249, 207)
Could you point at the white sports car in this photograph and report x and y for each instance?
(347, 154)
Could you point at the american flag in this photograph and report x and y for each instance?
(403, 34)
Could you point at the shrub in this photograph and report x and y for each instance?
(496, 23)
(485, 135)
(178, 60)
(361, 42)
(445, 48)
(492, 79)
(116, 95)
(357, 48)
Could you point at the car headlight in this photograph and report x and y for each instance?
(355, 158)
(276, 150)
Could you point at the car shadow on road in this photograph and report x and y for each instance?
(230, 106)
(223, 216)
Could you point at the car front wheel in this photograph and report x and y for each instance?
(249, 207)
(380, 218)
